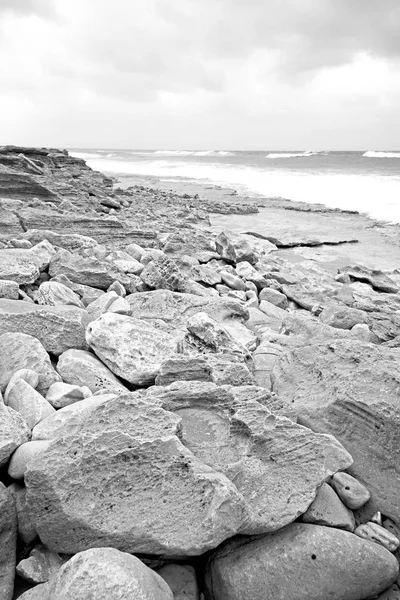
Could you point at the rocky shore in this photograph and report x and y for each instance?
(199, 392)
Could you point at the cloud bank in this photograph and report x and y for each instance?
(216, 73)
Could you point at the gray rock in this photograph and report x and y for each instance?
(276, 465)
(182, 581)
(86, 270)
(104, 574)
(23, 455)
(234, 248)
(8, 543)
(108, 302)
(379, 535)
(232, 281)
(377, 279)
(78, 367)
(26, 531)
(62, 394)
(343, 317)
(13, 432)
(41, 565)
(156, 496)
(131, 348)
(323, 562)
(29, 376)
(58, 328)
(53, 293)
(184, 368)
(351, 491)
(327, 509)
(28, 402)
(9, 289)
(273, 297)
(350, 389)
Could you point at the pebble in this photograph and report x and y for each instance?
(379, 535)
(350, 491)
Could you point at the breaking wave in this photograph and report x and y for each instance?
(373, 154)
(193, 153)
(292, 154)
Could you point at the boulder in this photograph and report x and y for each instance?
(205, 274)
(273, 297)
(163, 273)
(57, 327)
(29, 376)
(350, 389)
(41, 565)
(206, 335)
(182, 581)
(13, 432)
(86, 270)
(21, 351)
(377, 279)
(62, 394)
(18, 265)
(343, 317)
(23, 454)
(78, 367)
(125, 480)
(275, 464)
(108, 302)
(233, 248)
(184, 368)
(9, 289)
(53, 293)
(300, 562)
(327, 509)
(132, 348)
(8, 543)
(31, 405)
(68, 420)
(104, 574)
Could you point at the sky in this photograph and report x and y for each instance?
(201, 74)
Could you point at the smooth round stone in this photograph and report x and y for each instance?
(379, 535)
(300, 562)
(350, 491)
(23, 455)
(62, 394)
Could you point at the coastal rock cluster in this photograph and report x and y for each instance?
(185, 414)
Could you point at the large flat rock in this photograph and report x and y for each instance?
(58, 328)
(351, 390)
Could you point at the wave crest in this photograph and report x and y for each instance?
(291, 154)
(193, 153)
(374, 154)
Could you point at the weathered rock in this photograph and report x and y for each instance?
(374, 277)
(53, 293)
(23, 454)
(41, 565)
(86, 270)
(379, 535)
(323, 562)
(233, 248)
(131, 348)
(8, 543)
(342, 317)
(31, 405)
(62, 394)
(351, 491)
(182, 581)
(163, 273)
(128, 449)
(58, 328)
(276, 315)
(86, 293)
(275, 464)
(350, 389)
(70, 419)
(9, 289)
(205, 274)
(74, 242)
(184, 368)
(78, 367)
(18, 266)
(273, 297)
(327, 509)
(21, 351)
(230, 369)
(207, 335)
(29, 376)
(232, 281)
(245, 270)
(13, 432)
(108, 302)
(104, 574)
(26, 531)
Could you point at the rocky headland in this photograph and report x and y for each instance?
(199, 392)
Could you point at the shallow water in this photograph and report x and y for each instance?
(368, 182)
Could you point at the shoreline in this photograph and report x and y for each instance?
(346, 236)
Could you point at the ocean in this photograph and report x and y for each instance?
(368, 182)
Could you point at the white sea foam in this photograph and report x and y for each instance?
(84, 155)
(193, 153)
(373, 154)
(373, 194)
(291, 154)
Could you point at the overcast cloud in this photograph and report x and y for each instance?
(276, 74)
